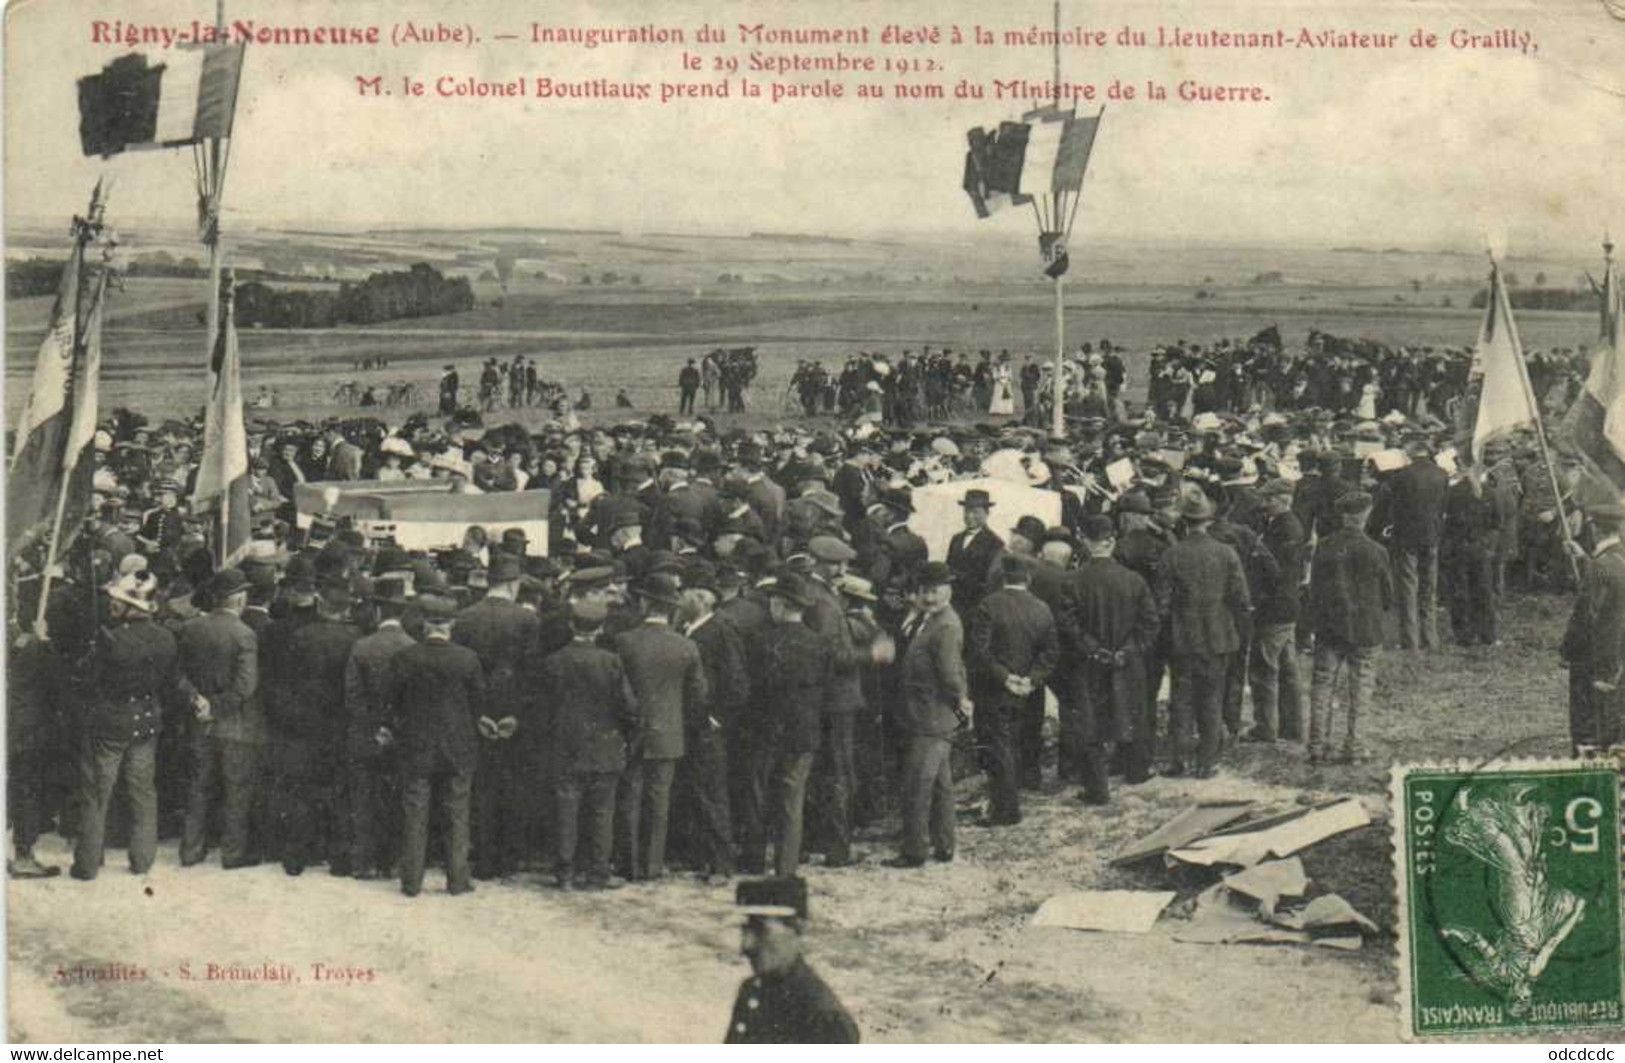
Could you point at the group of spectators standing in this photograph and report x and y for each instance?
(736, 652)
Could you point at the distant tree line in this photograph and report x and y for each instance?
(40, 276)
(1541, 298)
(421, 291)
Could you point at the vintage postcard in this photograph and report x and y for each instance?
(908, 521)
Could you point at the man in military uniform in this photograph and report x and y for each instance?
(784, 1001)
(219, 661)
(1594, 644)
(135, 672)
(161, 527)
(590, 713)
(503, 633)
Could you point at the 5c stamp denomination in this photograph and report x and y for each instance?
(1509, 893)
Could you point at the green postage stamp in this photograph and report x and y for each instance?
(1509, 896)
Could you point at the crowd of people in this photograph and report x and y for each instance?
(734, 651)
(1353, 378)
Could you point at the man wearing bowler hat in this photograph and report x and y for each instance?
(669, 683)
(783, 1001)
(219, 662)
(1203, 592)
(936, 704)
(973, 552)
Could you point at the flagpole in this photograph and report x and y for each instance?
(1058, 418)
(84, 230)
(214, 190)
(1498, 286)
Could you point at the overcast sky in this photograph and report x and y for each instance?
(1420, 149)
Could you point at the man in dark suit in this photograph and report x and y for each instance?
(591, 714)
(835, 772)
(371, 796)
(1473, 530)
(973, 552)
(1350, 589)
(1011, 651)
(688, 382)
(1277, 685)
(219, 660)
(765, 497)
(309, 728)
(1142, 541)
(1204, 594)
(746, 609)
(799, 678)
(897, 551)
(669, 683)
(504, 634)
(704, 777)
(1594, 643)
(438, 690)
(936, 704)
(1107, 618)
(784, 1001)
(1409, 507)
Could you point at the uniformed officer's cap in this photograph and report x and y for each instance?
(830, 549)
(774, 898)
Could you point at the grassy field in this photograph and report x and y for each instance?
(602, 339)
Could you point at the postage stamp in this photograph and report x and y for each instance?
(1509, 896)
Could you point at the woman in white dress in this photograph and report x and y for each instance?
(1003, 403)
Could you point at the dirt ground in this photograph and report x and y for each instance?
(939, 954)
